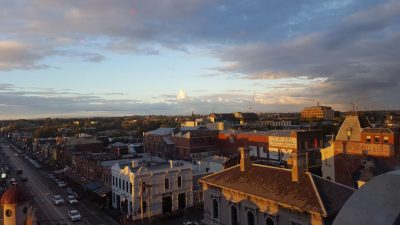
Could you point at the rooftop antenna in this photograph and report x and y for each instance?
(353, 107)
(254, 95)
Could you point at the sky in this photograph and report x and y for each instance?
(63, 58)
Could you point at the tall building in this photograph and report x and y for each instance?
(318, 112)
(257, 194)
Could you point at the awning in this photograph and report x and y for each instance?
(92, 186)
(102, 191)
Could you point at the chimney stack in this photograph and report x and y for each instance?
(245, 161)
(299, 165)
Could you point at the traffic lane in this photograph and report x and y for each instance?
(44, 194)
(88, 216)
(95, 216)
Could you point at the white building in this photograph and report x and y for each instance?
(150, 188)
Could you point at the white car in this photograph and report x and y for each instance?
(61, 184)
(72, 200)
(74, 215)
(58, 200)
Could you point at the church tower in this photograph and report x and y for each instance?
(15, 207)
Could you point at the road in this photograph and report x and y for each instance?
(43, 189)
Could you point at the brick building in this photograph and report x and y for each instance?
(195, 141)
(159, 141)
(318, 112)
(275, 145)
(361, 152)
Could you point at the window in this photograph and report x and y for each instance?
(295, 223)
(113, 181)
(179, 181)
(250, 218)
(119, 183)
(368, 138)
(386, 140)
(9, 213)
(144, 206)
(215, 209)
(234, 215)
(130, 187)
(123, 185)
(269, 221)
(377, 139)
(166, 183)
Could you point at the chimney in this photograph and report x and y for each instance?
(245, 161)
(298, 161)
(135, 163)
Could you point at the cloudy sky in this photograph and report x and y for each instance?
(64, 58)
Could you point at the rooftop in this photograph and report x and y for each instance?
(162, 131)
(312, 193)
(14, 195)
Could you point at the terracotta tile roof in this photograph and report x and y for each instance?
(310, 194)
(14, 195)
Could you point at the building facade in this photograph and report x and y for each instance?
(318, 112)
(255, 194)
(143, 189)
(195, 141)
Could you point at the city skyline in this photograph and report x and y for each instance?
(102, 58)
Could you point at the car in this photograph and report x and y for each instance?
(13, 181)
(74, 215)
(19, 171)
(61, 184)
(77, 195)
(190, 223)
(69, 191)
(24, 178)
(72, 200)
(58, 200)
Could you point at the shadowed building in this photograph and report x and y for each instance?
(257, 194)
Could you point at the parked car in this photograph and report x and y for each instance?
(61, 184)
(69, 191)
(72, 200)
(19, 171)
(24, 178)
(190, 223)
(58, 200)
(77, 195)
(74, 215)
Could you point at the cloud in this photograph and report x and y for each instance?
(182, 95)
(358, 58)
(14, 54)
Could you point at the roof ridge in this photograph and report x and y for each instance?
(273, 167)
(333, 182)
(219, 172)
(316, 191)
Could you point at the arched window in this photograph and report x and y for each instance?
(250, 218)
(215, 209)
(269, 221)
(234, 215)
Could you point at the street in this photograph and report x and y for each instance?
(43, 189)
